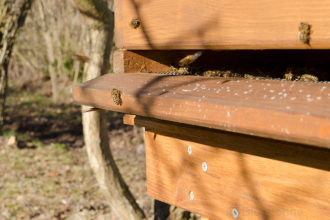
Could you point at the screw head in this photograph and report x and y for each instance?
(189, 150)
(191, 195)
(204, 166)
(235, 213)
(135, 23)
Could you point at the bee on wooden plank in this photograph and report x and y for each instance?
(212, 73)
(135, 23)
(308, 78)
(116, 97)
(304, 33)
(288, 76)
(186, 61)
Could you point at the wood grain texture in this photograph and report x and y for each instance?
(292, 111)
(257, 187)
(143, 61)
(289, 152)
(221, 24)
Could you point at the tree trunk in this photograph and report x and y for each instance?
(96, 139)
(12, 17)
(49, 51)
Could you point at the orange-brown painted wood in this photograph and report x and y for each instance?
(221, 24)
(289, 152)
(215, 182)
(277, 109)
(145, 61)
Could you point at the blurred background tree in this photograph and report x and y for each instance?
(12, 17)
(100, 20)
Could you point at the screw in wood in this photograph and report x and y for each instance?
(135, 23)
(189, 150)
(191, 195)
(204, 166)
(235, 213)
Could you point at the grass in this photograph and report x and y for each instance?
(45, 174)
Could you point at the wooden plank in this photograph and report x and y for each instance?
(222, 183)
(221, 24)
(292, 111)
(262, 147)
(141, 61)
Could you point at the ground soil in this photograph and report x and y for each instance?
(44, 169)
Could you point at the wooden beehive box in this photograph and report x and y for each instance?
(224, 148)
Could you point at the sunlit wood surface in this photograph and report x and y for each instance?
(221, 24)
(277, 109)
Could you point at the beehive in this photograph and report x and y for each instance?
(250, 148)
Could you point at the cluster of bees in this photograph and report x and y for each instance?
(185, 69)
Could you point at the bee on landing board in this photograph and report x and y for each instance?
(116, 97)
(308, 78)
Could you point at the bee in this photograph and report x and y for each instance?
(304, 33)
(190, 59)
(183, 71)
(288, 76)
(135, 23)
(180, 71)
(249, 76)
(116, 97)
(308, 78)
(211, 73)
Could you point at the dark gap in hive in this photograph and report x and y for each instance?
(258, 63)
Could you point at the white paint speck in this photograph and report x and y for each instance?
(293, 98)
(323, 88)
(271, 91)
(319, 98)
(288, 107)
(300, 90)
(186, 90)
(273, 97)
(308, 96)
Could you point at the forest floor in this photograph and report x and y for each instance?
(44, 168)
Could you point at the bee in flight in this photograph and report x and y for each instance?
(186, 61)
